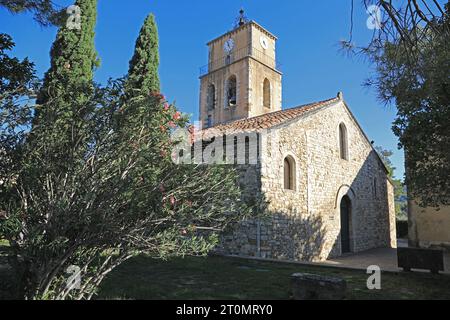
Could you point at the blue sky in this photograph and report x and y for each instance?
(308, 31)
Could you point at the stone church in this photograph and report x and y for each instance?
(327, 190)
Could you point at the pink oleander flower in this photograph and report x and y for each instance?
(166, 106)
(177, 115)
(172, 124)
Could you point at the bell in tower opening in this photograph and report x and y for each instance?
(241, 79)
(231, 91)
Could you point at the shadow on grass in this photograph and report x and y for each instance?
(211, 278)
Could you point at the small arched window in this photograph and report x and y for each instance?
(227, 60)
(266, 94)
(343, 141)
(231, 92)
(289, 173)
(375, 188)
(211, 97)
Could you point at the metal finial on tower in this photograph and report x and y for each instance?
(242, 18)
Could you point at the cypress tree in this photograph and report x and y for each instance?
(64, 103)
(143, 77)
(73, 58)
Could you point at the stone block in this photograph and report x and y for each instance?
(317, 287)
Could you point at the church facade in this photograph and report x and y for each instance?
(327, 190)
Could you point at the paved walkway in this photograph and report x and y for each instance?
(385, 258)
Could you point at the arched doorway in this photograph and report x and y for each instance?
(345, 224)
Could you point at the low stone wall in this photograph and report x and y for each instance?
(277, 237)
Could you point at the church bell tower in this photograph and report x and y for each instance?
(241, 79)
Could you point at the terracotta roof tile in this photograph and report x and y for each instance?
(268, 120)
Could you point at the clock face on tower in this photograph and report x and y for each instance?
(264, 42)
(228, 46)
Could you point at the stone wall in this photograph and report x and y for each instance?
(250, 63)
(257, 73)
(429, 227)
(219, 79)
(304, 224)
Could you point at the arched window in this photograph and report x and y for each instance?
(266, 94)
(231, 92)
(289, 173)
(211, 97)
(343, 142)
(375, 188)
(227, 60)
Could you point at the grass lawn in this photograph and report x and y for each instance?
(228, 278)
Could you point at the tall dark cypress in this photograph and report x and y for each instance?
(64, 103)
(143, 77)
(73, 57)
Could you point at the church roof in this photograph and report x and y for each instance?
(269, 120)
(272, 119)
